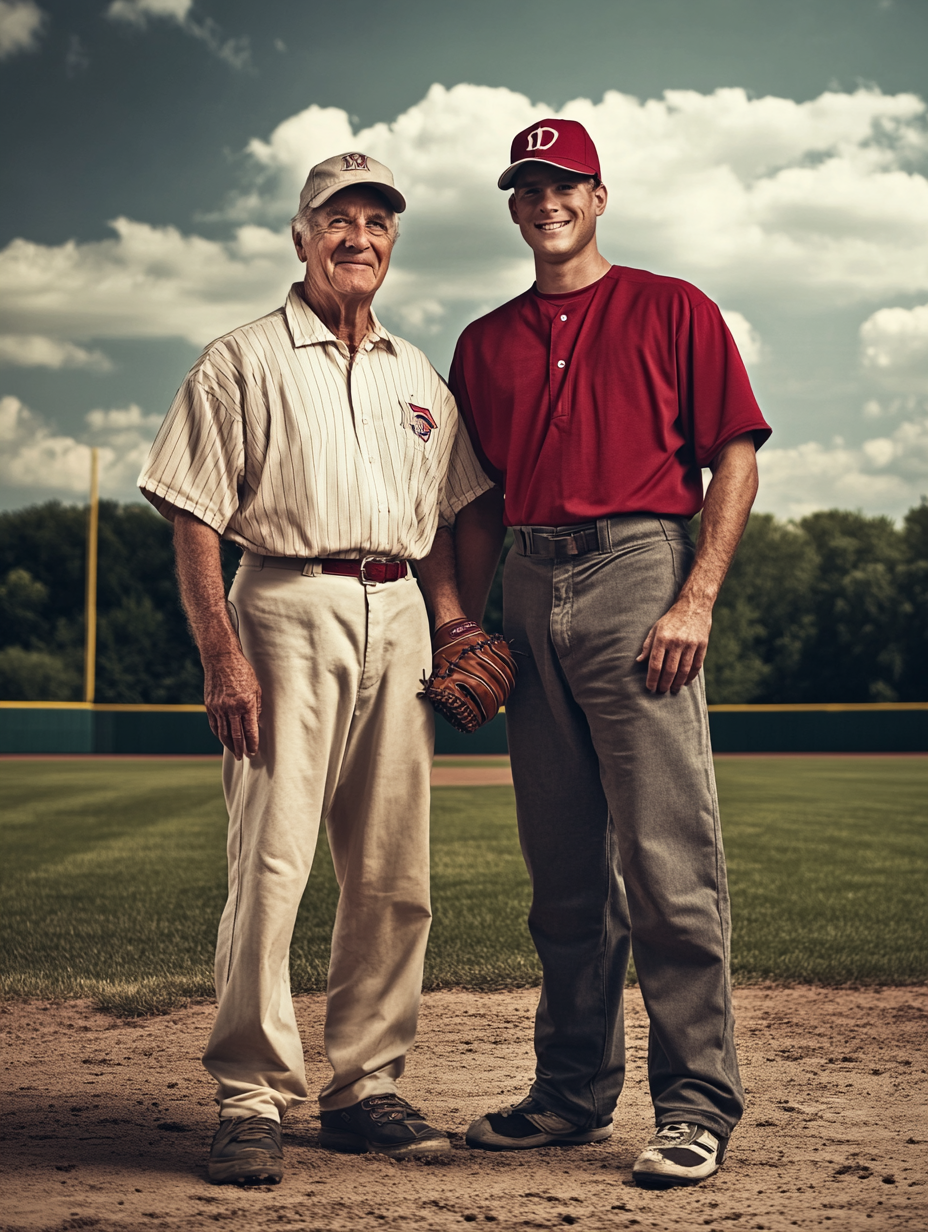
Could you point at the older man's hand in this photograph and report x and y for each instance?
(233, 702)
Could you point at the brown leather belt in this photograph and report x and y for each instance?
(370, 569)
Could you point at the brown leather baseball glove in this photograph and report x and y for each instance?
(472, 674)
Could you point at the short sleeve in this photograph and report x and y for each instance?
(465, 479)
(716, 398)
(197, 461)
(457, 381)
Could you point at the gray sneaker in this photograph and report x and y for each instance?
(527, 1125)
(679, 1154)
(246, 1151)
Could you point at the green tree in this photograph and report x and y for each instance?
(36, 675)
(854, 655)
(832, 608)
(913, 613)
(22, 603)
(144, 649)
(761, 622)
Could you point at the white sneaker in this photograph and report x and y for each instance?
(678, 1154)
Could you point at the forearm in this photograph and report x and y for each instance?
(231, 690)
(478, 538)
(202, 592)
(438, 578)
(726, 508)
(675, 647)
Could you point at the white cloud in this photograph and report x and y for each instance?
(139, 11)
(818, 200)
(34, 351)
(894, 347)
(757, 196)
(887, 474)
(235, 51)
(821, 197)
(21, 23)
(34, 456)
(148, 282)
(747, 339)
(76, 59)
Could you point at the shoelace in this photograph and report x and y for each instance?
(251, 1132)
(672, 1133)
(390, 1108)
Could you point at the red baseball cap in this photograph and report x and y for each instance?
(561, 143)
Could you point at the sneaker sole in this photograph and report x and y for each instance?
(663, 1180)
(355, 1144)
(251, 1167)
(488, 1140)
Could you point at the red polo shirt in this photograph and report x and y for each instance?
(605, 400)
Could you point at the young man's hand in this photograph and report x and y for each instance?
(676, 647)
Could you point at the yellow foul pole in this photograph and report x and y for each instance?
(90, 598)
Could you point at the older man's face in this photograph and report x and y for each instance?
(348, 245)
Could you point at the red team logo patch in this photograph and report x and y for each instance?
(422, 422)
(354, 162)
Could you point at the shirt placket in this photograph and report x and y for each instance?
(367, 425)
(563, 335)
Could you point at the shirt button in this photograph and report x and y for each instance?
(563, 317)
(365, 421)
(561, 363)
(370, 459)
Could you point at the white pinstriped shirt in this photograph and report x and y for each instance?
(282, 444)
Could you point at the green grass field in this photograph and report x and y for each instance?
(113, 878)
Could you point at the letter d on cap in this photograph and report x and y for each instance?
(536, 139)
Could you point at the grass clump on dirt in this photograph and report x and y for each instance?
(113, 879)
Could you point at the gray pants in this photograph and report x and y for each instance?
(619, 826)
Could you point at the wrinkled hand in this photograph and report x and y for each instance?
(676, 647)
(233, 703)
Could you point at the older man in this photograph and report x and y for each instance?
(596, 397)
(329, 451)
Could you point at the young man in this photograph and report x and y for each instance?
(595, 398)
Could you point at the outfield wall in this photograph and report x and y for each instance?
(80, 727)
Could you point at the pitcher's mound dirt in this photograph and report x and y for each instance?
(107, 1124)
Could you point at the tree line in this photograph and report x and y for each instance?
(830, 608)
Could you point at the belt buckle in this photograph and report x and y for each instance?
(370, 560)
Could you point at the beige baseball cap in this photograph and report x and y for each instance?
(344, 171)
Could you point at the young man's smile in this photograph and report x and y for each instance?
(556, 211)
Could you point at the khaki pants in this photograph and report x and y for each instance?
(345, 739)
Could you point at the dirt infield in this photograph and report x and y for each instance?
(106, 1126)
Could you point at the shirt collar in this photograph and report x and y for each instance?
(306, 329)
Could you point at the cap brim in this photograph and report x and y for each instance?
(393, 195)
(505, 180)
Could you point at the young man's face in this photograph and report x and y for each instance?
(556, 211)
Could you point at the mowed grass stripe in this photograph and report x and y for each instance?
(827, 866)
(113, 878)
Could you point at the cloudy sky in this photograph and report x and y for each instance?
(776, 154)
